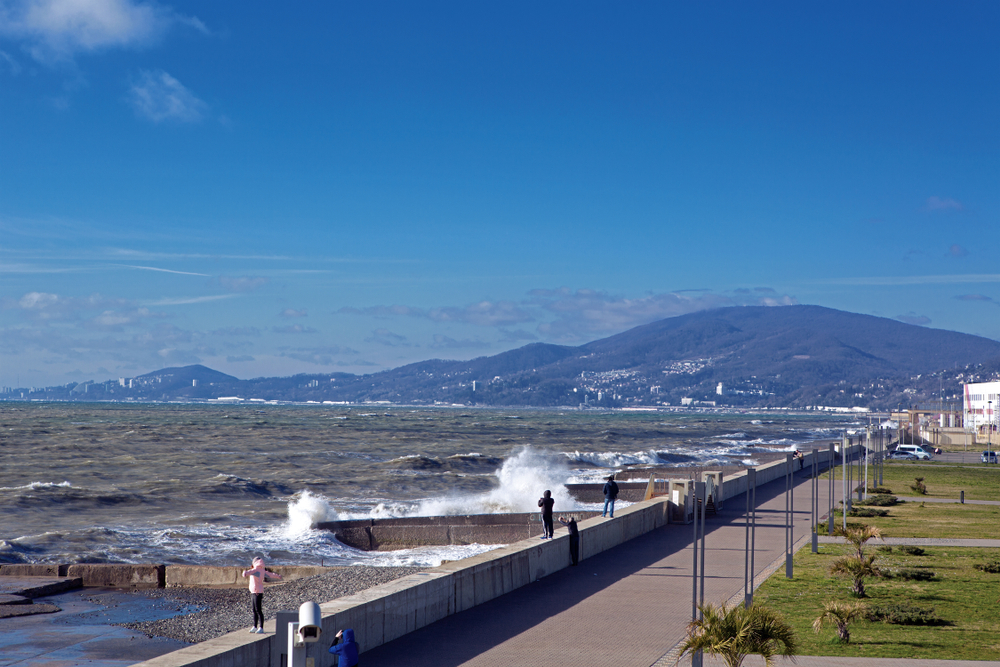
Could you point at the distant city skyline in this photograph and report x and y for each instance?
(348, 188)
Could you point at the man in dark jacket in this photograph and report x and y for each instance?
(346, 651)
(610, 496)
(546, 502)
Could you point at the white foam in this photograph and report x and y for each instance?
(37, 485)
(305, 510)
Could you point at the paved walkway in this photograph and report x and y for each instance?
(626, 607)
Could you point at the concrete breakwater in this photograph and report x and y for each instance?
(134, 577)
(392, 610)
(409, 532)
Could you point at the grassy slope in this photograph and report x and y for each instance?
(963, 596)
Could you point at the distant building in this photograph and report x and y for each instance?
(719, 390)
(980, 405)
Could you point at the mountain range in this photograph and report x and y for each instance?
(788, 356)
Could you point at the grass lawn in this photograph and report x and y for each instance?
(965, 599)
(915, 519)
(943, 480)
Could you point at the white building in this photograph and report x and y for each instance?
(981, 403)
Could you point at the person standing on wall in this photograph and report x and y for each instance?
(610, 496)
(546, 502)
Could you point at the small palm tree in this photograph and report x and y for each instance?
(857, 568)
(840, 614)
(736, 632)
(859, 536)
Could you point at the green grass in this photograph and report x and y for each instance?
(943, 480)
(963, 597)
(915, 519)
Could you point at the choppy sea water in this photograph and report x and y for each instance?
(219, 484)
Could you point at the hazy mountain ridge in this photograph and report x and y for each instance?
(790, 356)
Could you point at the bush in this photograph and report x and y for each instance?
(884, 549)
(912, 551)
(884, 490)
(903, 614)
(879, 500)
(912, 574)
(867, 512)
(993, 567)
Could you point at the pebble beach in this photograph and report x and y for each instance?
(223, 610)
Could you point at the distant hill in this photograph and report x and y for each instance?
(789, 356)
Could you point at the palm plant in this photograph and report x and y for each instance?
(840, 614)
(738, 631)
(857, 568)
(859, 536)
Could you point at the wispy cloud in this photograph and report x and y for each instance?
(155, 268)
(957, 251)
(186, 300)
(294, 329)
(56, 30)
(292, 313)
(942, 204)
(446, 343)
(9, 63)
(976, 297)
(160, 97)
(916, 280)
(242, 283)
(387, 338)
(913, 318)
(321, 356)
(482, 313)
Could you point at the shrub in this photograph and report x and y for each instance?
(879, 500)
(879, 489)
(884, 549)
(912, 574)
(912, 551)
(993, 567)
(919, 487)
(867, 512)
(903, 614)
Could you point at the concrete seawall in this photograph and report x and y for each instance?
(102, 575)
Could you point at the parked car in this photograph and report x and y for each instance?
(989, 457)
(916, 450)
(902, 456)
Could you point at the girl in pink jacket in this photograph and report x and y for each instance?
(257, 574)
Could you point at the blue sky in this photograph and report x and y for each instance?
(271, 190)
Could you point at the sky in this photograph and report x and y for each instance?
(270, 189)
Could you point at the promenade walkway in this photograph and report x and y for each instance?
(627, 607)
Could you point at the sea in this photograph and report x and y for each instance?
(220, 484)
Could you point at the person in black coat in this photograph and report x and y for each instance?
(574, 538)
(546, 502)
(610, 496)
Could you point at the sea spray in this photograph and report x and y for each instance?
(522, 478)
(304, 511)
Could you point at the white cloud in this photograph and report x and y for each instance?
(916, 280)
(291, 312)
(57, 30)
(160, 97)
(482, 313)
(10, 63)
(242, 283)
(387, 338)
(943, 204)
(154, 268)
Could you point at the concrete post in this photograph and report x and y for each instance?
(788, 515)
(833, 467)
